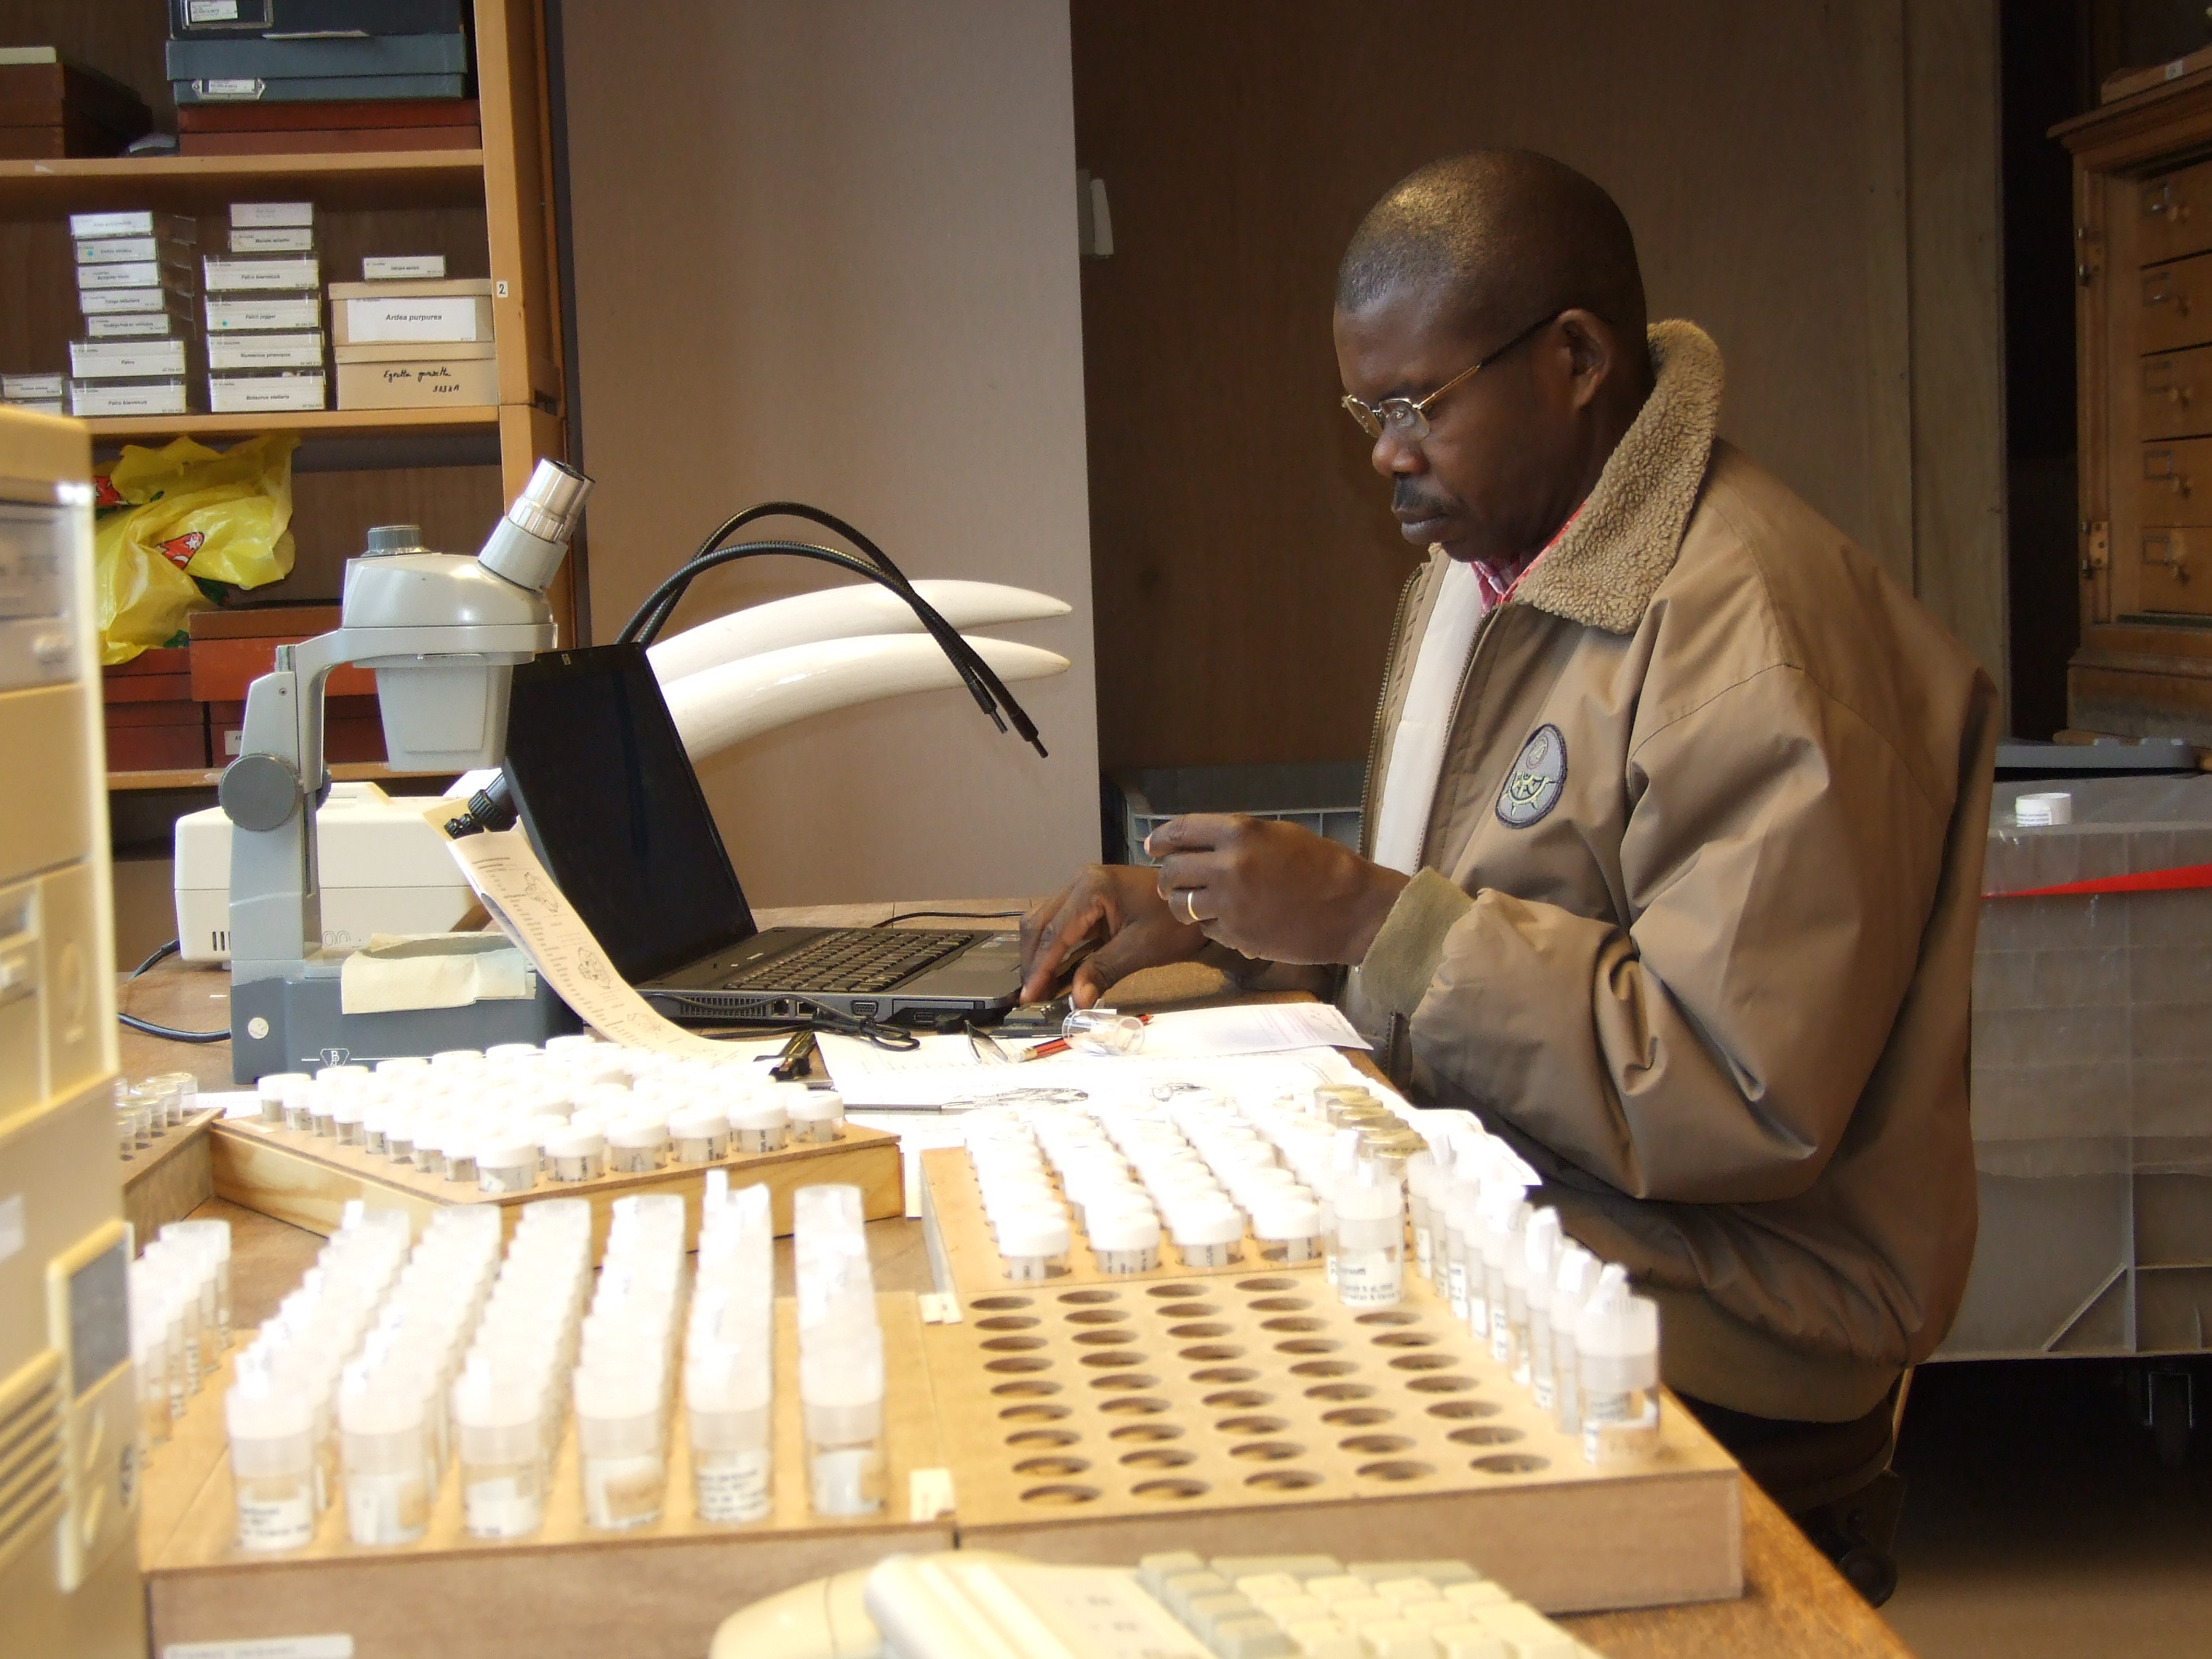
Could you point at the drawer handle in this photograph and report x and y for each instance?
(2159, 290)
(2171, 552)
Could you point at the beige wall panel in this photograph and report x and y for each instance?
(827, 252)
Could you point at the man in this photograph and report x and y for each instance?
(1675, 815)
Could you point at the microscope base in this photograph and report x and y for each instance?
(302, 1026)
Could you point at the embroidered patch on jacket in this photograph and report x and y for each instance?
(1532, 787)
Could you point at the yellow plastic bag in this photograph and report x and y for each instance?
(177, 516)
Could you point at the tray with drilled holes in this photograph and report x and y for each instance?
(1103, 1422)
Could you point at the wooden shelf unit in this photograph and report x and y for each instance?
(488, 210)
(206, 777)
(2143, 230)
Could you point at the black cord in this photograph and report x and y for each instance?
(822, 1020)
(647, 621)
(168, 949)
(965, 916)
(168, 1034)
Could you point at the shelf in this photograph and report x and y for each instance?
(205, 777)
(317, 422)
(207, 183)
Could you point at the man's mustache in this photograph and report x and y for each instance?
(1407, 502)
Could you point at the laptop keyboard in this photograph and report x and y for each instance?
(853, 960)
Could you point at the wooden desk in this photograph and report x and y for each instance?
(1794, 1602)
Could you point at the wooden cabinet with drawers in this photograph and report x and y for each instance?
(2142, 228)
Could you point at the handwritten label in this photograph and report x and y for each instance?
(335, 1646)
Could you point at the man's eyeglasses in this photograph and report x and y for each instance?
(1405, 419)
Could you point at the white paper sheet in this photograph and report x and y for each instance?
(520, 894)
(874, 1079)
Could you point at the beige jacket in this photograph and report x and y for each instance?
(1695, 926)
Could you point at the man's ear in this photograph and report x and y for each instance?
(1591, 350)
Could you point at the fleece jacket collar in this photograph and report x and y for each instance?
(1618, 548)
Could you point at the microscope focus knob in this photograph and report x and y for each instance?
(258, 792)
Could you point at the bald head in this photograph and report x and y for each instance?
(1497, 240)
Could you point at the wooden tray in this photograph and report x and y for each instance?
(308, 1180)
(170, 1179)
(1255, 1414)
(566, 1593)
(963, 1256)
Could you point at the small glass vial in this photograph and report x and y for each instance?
(1207, 1234)
(1570, 1289)
(1288, 1228)
(841, 1394)
(299, 1107)
(759, 1126)
(374, 1120)
(399, 1135)
(500, 1440)
(636, 1146)
(457, 1153)
(322, 1106)
(1125, 1241)
(272, 1089)
(346, 1115)
(623, 1464)
(818, 1116)
(180, 1095)
(1529, 1299)
(212, 1239)
(272, 1460)
(385, 1458)
(1033, 1245)
(1370, 1238)
(1617, 1338)
(1502, 1226)
(577, 1155)
(507, 1166)
(727, 1394)
(699, 1135)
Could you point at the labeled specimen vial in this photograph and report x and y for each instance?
(1207, 1235)
(1288, 1228)
(699, 1135)
(272, 1462)
(759, 1126)
(1617, 1338)
(1370, 1238)
(507, 1166)
(1033, 1243)
(577, 1155)
(500, 1442)
(817, 1116)
(1124, 1240)
(272, 1090)
(624, 1463)
(636, 1146)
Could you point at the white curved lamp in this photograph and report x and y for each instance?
(717, 707)
(837, 613)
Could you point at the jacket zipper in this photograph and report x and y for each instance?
(1382, 702)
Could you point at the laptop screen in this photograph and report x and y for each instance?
(603, 786)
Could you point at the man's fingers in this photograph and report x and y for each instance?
(1123, 955)
(1193, 832)
(1075, 922)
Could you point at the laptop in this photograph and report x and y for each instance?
(603, 787)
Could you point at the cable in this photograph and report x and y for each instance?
(168, 949)
(965, 916)
(167, 1033)
(822, 1019)
(649, 618)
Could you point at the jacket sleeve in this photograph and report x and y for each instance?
(1779, 861)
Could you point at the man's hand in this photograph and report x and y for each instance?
(1115, 903)
(1272, 889)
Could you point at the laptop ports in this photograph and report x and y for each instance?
(865, 1008)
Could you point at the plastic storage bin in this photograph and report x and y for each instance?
(2092, 1081)
(1324, 796)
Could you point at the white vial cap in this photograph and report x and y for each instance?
(637, 1132)
(758, 1115)
(1033, 1233)
(1285, 1217)
(1206, 1224)
(2043, 811)
(575, 1143)
(1124, 1230)
(507, 1154)
(816, 1106)
(697, 1123)
(277, 1084)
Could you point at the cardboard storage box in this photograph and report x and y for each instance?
(154, 723)
(455, 312)
(399, 375)
(55, 109)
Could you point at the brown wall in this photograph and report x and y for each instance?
(1815, 185)
(827, 251)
